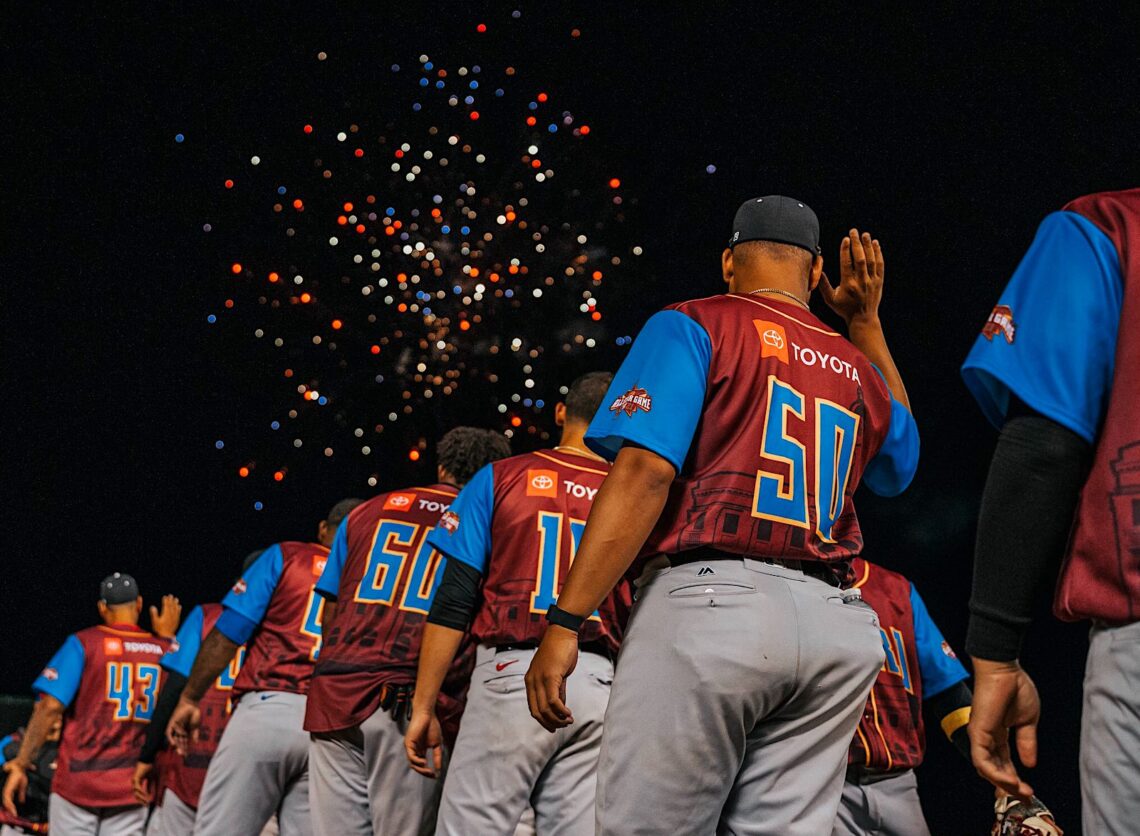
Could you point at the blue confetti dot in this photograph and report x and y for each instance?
(395, 68)
(528, 402)
(179, 137)
(465, 229)
(257, 506)
(275, 425)
(540, 403)
(710, 169)
(516, 14)
(469, 100)
(416, 107)
(218, 445)
(437, 198)
(439, 85)
(552, 128)
(404, 236)
(281, 190)
(211, 319)
(322, 400)
(475, 69)
(474, 85)
(509, 293)
(427, 311)
(457, 290)
(499, 92)
(533, 105)
(424, 82)
(445, 229)
(428, 65)
(390, 211)
(379, 378)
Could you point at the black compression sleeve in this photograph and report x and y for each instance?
(1027, 509)
(952, 708)
(455, 600)
(156, 730)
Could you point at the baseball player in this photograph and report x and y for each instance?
(261, 764)
(379, 584)
(31, 816)
(880, 794)
(103, 683)
(510, 538)
(741, 426)
(1057, 369)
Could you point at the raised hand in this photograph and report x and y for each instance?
(165, 623)
(860, 286)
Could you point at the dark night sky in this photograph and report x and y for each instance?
(947, 135)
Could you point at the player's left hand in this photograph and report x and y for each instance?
(142, 782)
(165, 623)
(551, 666)
(1005, 699)
(15, 787)
(423, 742)
(183, 725)
(1014, 818)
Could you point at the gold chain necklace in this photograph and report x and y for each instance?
(791, 296)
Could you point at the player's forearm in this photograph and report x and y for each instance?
(866, 334)
(45, 715)
(163, 709)
(214, 655)
(952, 708)
(437, 650)
(625, 510)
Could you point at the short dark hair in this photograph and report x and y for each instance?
(463, 451)
(748, 251)
(586, 395)
(341, 510)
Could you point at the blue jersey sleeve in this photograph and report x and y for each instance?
(464, 533)
(246, 603)
(1051, 341)
(180, 658)
(60, 678)
(894, 466)
(937, 664)
(328, 584)
(656, 397)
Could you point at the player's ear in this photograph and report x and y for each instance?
(560, 414)
(139, 605)
(102, 607)
(322, 530)
(816, 272)
(726, 268)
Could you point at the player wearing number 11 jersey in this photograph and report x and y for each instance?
(740, 426)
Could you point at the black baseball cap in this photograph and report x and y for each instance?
(774, 217)
(118, 589)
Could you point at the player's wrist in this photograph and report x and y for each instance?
(189, 698)
(865, 321)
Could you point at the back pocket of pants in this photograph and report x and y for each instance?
(716, 588)
(506, 684)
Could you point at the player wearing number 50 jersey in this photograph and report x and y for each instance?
(104, 683)
(509, 538)
(262, 763)
(741, 426)
(379, 583)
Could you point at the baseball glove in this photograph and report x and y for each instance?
(1017, 818)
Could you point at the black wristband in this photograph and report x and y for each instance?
(560, 618)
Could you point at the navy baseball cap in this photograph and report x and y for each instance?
(118, 589)
(774, 217)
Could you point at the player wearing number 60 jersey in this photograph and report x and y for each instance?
(509, 538)
(379, 583)
(262, 763)
(741, 426)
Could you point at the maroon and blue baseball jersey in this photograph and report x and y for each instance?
(383, 574)
(108, 678)
(919, 664)
(771, 419)
(185, 775)
(274, 611)
(1064, 339)
(518, 523)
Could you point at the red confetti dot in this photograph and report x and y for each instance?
(536, 163)
(279, 475)
(235, 268)
(414, 455)
(516, 421)
(348, 207)
(229, 184)
(229, 303)
(306, 298)
(615, 183)
(530, 120)
(298, 204)
(359, 152)
(342, 220)
(375, 349)
(574, 33)
(360, 228)
(584, 130)
(273, 277)
(474, 115)
(308, 129)
(243, 471)
(337, 324)
(542, 97)
(595, 316)
(464, 325)
(399, 153)
(482, 27)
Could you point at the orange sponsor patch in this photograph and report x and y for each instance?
(542, 483)
(773, 339)
(399, 502)
(113, 647)
(319, 561)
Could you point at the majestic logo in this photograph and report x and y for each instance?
(113, 647)
(319, 561)
(705, 570)
(773, 339)
(542, 483)
(500, 665)
(50, 674)
(948, 650)
(449, 522)
(399, 502)
(239, 587)
(1000, 322)
(632, 401)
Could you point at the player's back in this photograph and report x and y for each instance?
(105, 723)
(541, 503)
(386, 585)
(277, 593)
(793, 413)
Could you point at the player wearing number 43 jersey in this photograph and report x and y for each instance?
(741, 426)
(509, 538)
(104, 682)
(262, 763)
(379, 583)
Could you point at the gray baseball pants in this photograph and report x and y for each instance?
(174, 817)
(885, 805)
(504, 761)
(738, 690)
(261, 768)
(1110, 732)
(360, 782)
(67, 819)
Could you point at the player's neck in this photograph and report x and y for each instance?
(573, 441)
(774, 279)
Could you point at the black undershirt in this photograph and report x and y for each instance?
(457, 597)
(163, 709)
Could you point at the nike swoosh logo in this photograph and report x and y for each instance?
(500, 665)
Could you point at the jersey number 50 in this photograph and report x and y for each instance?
(784, 498)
